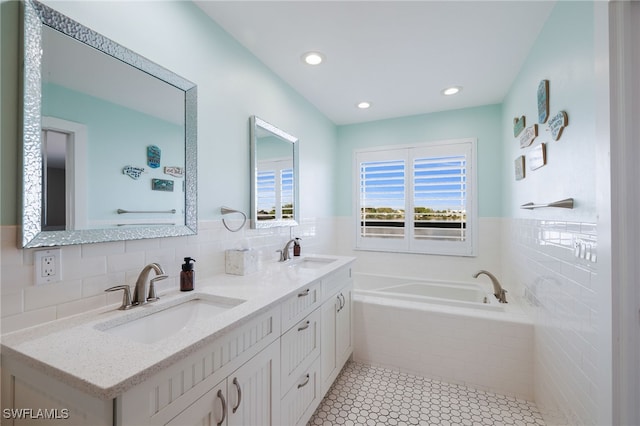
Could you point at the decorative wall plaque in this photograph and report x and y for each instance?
(162, 185)
(528, 135)
(153, 156)
(132, 171)
(537, 157)
(557, 123)
(543, 101)
(174, 171)
(518, 125)
(519, 168)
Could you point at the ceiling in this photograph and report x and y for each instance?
(77, 66)
(398, 55)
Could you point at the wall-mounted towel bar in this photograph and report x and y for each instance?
(147, 224)
(563, 204)
(121, 211)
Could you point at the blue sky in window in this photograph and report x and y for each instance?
(438, 184)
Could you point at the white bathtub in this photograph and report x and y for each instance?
(444, 330)
(460, 294)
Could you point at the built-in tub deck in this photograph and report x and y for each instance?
(453, 331)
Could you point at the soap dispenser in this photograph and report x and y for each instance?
(296, 247)
(187, 276)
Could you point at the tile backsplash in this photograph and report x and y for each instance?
(554, 264)
(88, 269)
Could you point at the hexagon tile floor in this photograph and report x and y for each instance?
(374, 396)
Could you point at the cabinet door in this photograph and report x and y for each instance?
(343, 327)
(328, 340)
(254, 390)
(209, 410)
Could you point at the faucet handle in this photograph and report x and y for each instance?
(126, 296)
(152, 288)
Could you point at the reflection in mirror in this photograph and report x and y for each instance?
(274, 176)
(109, 139)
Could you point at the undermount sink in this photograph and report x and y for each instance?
(311, 262)
(171, 321)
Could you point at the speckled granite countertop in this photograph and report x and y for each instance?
(77, 352)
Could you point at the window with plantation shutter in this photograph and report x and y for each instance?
(418, 199)
(266, 190)
(275, 189)
(286, 198)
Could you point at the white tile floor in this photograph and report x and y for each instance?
(374, 396)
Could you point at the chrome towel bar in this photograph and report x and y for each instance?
(121, 211)
(563, 204)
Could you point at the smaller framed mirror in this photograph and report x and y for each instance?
(274, 176)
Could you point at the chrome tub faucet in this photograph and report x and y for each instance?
(499, 292)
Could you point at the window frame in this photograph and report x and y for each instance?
(408, 153)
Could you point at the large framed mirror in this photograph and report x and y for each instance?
(109, 139)
(274, 176)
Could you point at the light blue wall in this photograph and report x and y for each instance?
(564, 55)
(9, 89)
(483, 123)
(118, 137)
(232, 86)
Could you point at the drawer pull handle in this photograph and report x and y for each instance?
(303, 384)
(304, 293)
(224, 407)
(304, 327)
(235, 382)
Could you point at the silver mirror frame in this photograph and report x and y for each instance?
(36, 15)
(255, 123)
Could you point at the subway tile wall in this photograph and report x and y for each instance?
(554, 265)
(88, 269)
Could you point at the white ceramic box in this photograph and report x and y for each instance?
(241, 262)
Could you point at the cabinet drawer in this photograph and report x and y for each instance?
(303, 398)
(300, 304)
(335, 280)
(298, 348)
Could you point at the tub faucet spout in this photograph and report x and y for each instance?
(499, 292)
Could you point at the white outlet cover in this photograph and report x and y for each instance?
(37, 263)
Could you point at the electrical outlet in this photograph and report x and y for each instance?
(47, 265)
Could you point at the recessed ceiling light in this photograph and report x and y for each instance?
(451, 90)
(364, 105)
(313, 58)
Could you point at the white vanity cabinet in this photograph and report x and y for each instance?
(299, 356)
(270, 368)
(337, 326)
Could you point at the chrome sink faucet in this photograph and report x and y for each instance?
(140, 292)
(498, 291)
(284, 253)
